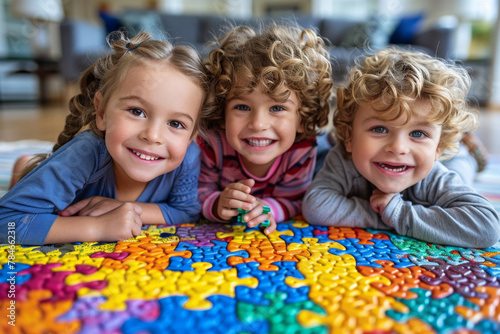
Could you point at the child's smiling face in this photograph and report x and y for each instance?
(149, 121)
(390, 154)
(261, 129)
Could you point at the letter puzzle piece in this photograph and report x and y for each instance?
(265, 209)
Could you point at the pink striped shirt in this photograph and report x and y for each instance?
(282, 189)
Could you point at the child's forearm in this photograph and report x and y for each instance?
(122, 223)
(73, 229)
(469, 221)
(151, 214)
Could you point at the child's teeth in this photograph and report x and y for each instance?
(399, 169)
(261, 142)
(145, 157)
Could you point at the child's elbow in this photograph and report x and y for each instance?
(491, 238)
(489, 235)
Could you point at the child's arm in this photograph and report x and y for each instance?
(98, 205)
(443, 210)
(334, 197)
(237, 196)
(173, 201)
(122, 223)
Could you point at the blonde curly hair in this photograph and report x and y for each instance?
(277, 58)
(392, 79)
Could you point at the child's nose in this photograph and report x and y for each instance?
(259, 120)
(397, 145)
(153, 133)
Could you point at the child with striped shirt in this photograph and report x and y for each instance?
(271, 93)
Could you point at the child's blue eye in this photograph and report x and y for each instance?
(379, 129)
(176, 124)
(417, 134)
(277, 108)
(242, 107)
(136, 112)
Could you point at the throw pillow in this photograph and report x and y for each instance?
(406, 29)
(111, 22)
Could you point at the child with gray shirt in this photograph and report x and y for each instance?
(400, 112)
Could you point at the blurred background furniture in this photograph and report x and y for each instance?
(33, 58)
(462, 30)
(82, 42)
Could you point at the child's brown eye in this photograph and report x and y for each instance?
(136, 112)
(176, 124)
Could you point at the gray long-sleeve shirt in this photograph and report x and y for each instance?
(439, 209)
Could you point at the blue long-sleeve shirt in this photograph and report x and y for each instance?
(81, 169)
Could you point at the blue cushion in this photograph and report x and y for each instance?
(111, 23)
(406, 29)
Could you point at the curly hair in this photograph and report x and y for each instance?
(392, 79)
(107, 74)
(277, 58)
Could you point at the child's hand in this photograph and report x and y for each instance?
(256, 216)
(92, 206)
(122, 223)
(235, 196)
(379, 200)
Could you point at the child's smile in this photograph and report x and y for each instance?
(394, 155)
(259, 143)
(145, 156)
(261, 129)
(394, 170)
(149, 122)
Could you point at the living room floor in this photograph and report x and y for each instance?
(19, 122)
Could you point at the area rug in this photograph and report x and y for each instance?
(228, 278)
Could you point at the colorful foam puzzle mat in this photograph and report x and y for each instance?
(216, 278)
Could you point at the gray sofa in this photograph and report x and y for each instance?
(82, 42)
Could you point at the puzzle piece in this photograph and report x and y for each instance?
(218, 255)
(335, 285)
(436, 313)
(230, 278)
(175, 318)
(463, 278)
(266, 252)
(136, 283)
(270, 282)
(38, 313)
(402, 280)
(241, 213)
(281, 316)
(367, 254)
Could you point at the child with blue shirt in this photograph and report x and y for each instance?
(399, 113)
(126, 156)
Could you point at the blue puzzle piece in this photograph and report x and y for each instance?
(7, 272)
(366, 255)
(298, 232)
(217, 255)
(221, 318)
(270, 282)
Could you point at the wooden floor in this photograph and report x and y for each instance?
(30, 121)
(18, 122)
